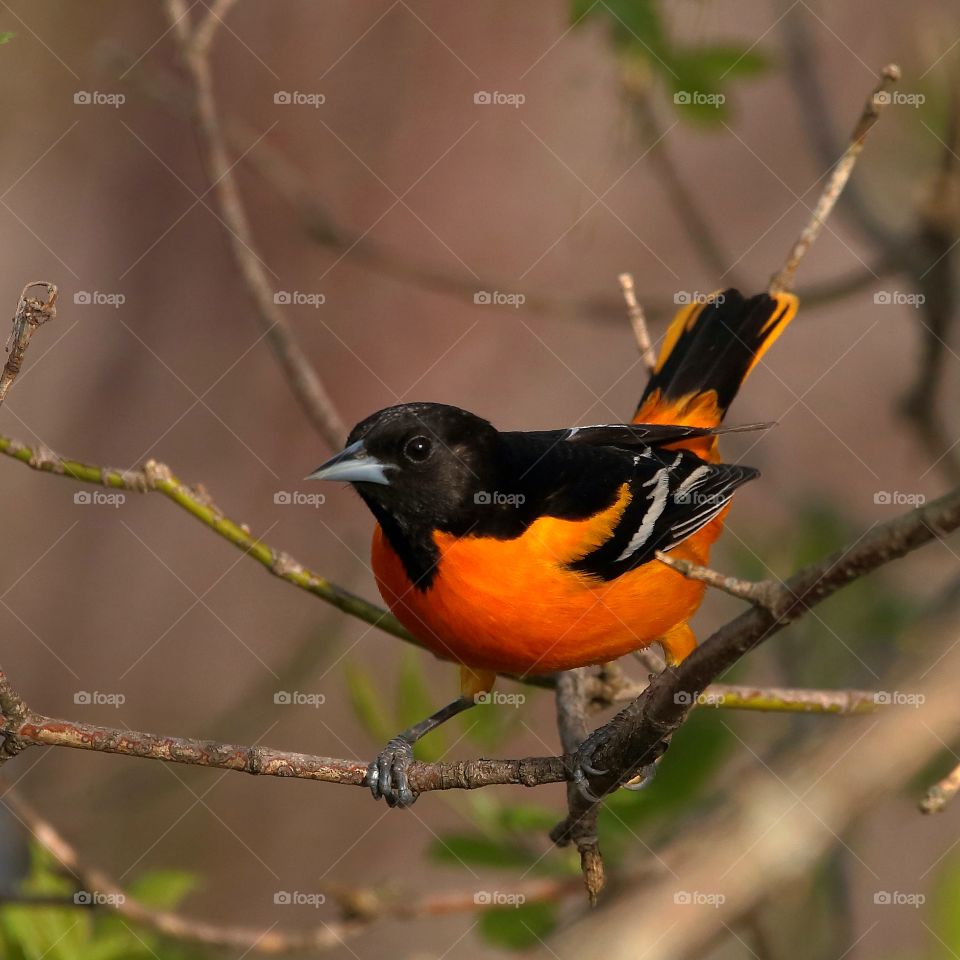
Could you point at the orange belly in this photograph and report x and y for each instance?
(513, 605)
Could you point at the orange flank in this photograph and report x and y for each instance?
(513, 606)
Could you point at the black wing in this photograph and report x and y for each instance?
(674, 495)
(636, 436)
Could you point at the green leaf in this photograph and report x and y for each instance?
(6, 37)
(368, 704)
(518, 928)
(413, 697)
(478, 851)
(163, 889)
(946, 917)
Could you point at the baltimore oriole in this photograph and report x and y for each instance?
(527, 553)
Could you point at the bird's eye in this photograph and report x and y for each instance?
(418, 449)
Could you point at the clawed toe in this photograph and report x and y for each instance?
(387, 775)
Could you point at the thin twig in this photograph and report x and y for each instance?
(159, 478)
(942, 792)
(299, 193)
(761, 592)
(300, 374)
(638, 321)
(571, 696)
(31, 314)
(783, 280)
(358, 908)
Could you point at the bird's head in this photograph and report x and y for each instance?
(419, 462)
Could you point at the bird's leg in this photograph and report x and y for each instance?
(387, 774)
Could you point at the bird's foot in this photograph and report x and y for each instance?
(583, 762)
(387, 775)
(583, 765)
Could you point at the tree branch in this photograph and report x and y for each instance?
(31, 314)
(358, 909)
(303, 379)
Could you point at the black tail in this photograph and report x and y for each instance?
(713, 345)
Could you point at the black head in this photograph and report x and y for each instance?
(421, 463)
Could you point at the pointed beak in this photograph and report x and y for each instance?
(352, 465)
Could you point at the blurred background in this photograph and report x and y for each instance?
(442, 197)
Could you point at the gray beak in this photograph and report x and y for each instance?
(352, 465)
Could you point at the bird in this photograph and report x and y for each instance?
(530, 552)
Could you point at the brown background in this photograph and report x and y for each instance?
(143, 601)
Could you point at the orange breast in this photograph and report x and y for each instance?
(514, 606)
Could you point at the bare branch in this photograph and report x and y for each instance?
(784, 279)
(572, 724)
(763, 592)
(637, 321)
(158, 477)
(31, 314)
(358, 908)
(303, 379)
(30, 728)
(941, 793)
